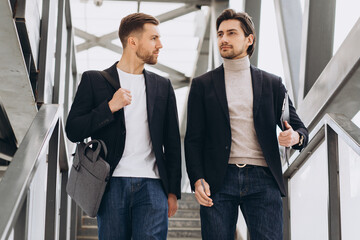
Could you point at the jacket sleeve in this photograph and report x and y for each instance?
(84, 118)
(172, 145)
(195, 131)
(295, 121)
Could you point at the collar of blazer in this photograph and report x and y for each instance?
(150, 86)
(218, 78)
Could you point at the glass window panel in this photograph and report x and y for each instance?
(100, 20)
(177, 35)
(308, 190)
(346, 15)
(269, 46)
(238, 5)
(157, 9)
(302, 3)
(96, 58)
(349, 171)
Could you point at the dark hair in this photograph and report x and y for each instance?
(134, 22)
(246, 24)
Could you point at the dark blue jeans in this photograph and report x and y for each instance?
(253, 189)
(133, 208)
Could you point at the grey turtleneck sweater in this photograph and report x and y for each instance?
(245, 147)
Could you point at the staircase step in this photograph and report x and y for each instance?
(87, 238)
(173, 222)
(188, 197)
(187, 213)
(184, 223)
(184, 238)
(90, 232)
(87, 221)
(186, 232)
(87, 231)
(193, 205)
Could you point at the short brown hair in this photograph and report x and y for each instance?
(246, 24)
(134, 22)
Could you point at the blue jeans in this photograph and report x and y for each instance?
(254, 189)
(133, 208)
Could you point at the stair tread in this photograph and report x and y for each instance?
(184, 228)
(183, 219)
(88, 226)
(183, 238)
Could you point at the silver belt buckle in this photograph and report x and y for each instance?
(241, 165)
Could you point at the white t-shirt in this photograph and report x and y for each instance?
(138, 159)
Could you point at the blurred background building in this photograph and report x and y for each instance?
(45, 45)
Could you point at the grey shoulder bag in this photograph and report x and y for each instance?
(88, 176)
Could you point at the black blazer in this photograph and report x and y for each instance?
(208, 133)
(90, 116)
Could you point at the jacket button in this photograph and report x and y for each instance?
(227, 147)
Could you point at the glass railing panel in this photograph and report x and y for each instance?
(349, 177)
(308, 189)
(37, 199)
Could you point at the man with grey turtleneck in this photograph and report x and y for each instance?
(231, 145)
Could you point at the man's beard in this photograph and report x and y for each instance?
(148, 58)
(230, 53)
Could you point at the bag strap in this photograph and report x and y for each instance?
(109, 79)
(99, 144)
(104, 148)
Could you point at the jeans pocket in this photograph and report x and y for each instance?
(266, 172)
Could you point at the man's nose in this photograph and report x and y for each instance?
(159, 45)
(223, 40)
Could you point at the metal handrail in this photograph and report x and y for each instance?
(344, 128)
(17, 178)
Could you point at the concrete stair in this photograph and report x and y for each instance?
(87, 227)
(185, 225)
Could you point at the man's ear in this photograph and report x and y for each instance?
(250, 39)
(132, 42)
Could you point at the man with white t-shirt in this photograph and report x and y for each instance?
(139, 124)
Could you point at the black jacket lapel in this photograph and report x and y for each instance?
(256, 78)
(218, 79)
(150, 85)
(114, 74)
